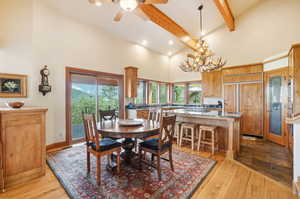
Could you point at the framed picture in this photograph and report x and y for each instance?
(12, 86)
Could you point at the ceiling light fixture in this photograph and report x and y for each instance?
(203, 59)
(169, 54)
(98, 3)
(171, 42)
(128, 5)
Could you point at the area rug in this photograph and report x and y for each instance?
(69, 166)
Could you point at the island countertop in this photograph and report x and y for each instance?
(228, 126)
(206, 114)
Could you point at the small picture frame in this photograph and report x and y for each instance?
(13, 86)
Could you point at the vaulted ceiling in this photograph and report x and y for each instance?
(132, 28)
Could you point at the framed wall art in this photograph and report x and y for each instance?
(13, 86)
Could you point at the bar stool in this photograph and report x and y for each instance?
(188, 133)
(202, 139)
(177, 132)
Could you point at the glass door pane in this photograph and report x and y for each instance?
(83, 99)
(108, 94)
(275, 113)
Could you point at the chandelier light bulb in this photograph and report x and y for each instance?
(128, 5)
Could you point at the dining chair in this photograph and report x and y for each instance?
(153, 115)
(97, 146)
(161, 145)
(107, 115)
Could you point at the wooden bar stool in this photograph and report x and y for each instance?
(177, 132)
(188, 133)
(212, 141)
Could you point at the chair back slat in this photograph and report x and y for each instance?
(90, 129)
(154, 115)
(167, 129)
(107, 115)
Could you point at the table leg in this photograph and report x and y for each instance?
(128, 154)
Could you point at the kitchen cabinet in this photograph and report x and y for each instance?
(212, 84)
(131, 82)
(22, 145)
(294, 80)
(293, 90)
(243, 92)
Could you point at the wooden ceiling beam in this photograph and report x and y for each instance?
(161, 19)
(225, 11)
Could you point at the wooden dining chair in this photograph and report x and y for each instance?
(107, 115)
(161, 145)
(153, 115)
(98, 147)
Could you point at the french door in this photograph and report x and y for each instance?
(89, 92)
(276, 101)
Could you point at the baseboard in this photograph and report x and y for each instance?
(56, 145)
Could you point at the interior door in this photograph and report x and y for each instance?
(251, 105)
(276, 99)
(230, 97)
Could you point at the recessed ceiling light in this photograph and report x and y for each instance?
(144, 42)
(171, 42)
(98, 3)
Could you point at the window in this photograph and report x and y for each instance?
(179, 93)
(141, 93)
(163, 93)
(153, 93)
(195, 93)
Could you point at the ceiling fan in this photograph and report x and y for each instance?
(130, 6)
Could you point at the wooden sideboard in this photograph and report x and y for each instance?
(22, 145)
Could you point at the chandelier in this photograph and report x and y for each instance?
(203, 59)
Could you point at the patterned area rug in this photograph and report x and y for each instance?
(69, 166)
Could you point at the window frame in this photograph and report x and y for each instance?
(186, 91)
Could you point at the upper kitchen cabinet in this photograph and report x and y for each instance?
(131, 82)
(212, 84)
(294, 81)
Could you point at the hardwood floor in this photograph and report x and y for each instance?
(267, 158)
(228, 180)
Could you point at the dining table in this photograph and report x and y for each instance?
(113, 129)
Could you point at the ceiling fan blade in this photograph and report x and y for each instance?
(156, 1)
(138, 12)
(119, 16)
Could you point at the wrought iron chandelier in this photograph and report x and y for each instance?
(203, 59)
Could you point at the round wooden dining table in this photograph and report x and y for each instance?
(112, 129)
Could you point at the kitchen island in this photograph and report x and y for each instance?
(228, 126)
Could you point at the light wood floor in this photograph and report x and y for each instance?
(228, 180)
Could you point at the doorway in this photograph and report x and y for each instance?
(276, 85)
(90, 91)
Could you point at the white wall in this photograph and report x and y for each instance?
(176, 74)
(268, 29)
(33, 35)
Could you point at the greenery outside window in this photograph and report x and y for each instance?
(194, 93)
(153, 93)
(141, 92)
(163, 93)
(179, 93)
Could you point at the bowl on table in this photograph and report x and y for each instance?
(14, 104)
